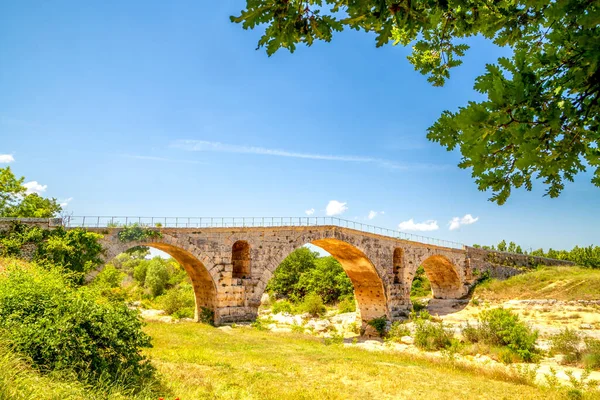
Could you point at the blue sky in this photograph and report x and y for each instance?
(149, 108)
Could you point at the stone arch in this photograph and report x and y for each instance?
(240, 259)
(369, 289)
(205, 290)
(443, 276)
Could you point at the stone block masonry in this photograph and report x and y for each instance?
(230, 267)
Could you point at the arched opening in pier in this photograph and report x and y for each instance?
(333, 272)
(162, 279)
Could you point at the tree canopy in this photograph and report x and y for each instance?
(540, 116)
(16, 202)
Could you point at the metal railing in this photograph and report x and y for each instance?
(241, 222)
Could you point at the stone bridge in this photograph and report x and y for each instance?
(230, 267)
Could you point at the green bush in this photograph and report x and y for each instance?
(500, 327)
(109, 277)
(397, 331)
(313, 304)
(567, 343)
(185, 312)
(177, 299)
(347, 304)
(139, 272)
(304, 272)
(206, 316)
(380, 325)
(281, 306)
(156, 277)
(420, 286)
(432, 336)
(61, 328)
(591, 356)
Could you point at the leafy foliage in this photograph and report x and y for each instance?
(15, 202)
(61, 328)
(431, 336)
(304, 272)
(501, 327)
(313, 304)
(135, 232)
(75, 249)
(540, 117)
(380, 325)
(421, 287)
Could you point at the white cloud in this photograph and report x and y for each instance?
(373, 214)
(456, 222)
(6, 158)
(310, 211)
(204, 145)
(411, 225)
(34, 187)
(66, 202)
(335, 208)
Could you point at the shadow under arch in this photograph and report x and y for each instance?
(368, 285)
(443, 276)
(205, 291)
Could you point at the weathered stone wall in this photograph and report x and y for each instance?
(44, 223)
(503, 265)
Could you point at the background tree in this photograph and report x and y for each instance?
(15, 202)
(540, 117)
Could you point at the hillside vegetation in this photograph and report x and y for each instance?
(560, 283)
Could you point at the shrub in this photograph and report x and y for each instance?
(432, 336)
(313, 304)
(380, 325)
(281, 306)
(137, 232)
(397, 331)
(139, 272)
(500, 327)
(185, 312)
(109, 277)
(567, 343)
(156, 277)
(420, 285)
(177, 299)
(61, 328)
(206, 316)
(591, 356)
(347, 304)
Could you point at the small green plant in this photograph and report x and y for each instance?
(335, 338)
(259, 325)
(297, 328)
(347, 305)
(567, 343)
(432, 336)
(397, 331)
(137, 232)
(380, 325)
(503, 328)
(418, 306)
(206, 316)
(313, 304)
(591, 356)
(281, 306)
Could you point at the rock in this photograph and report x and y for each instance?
(586, 326)
(166, 319)
(318, 325)
(225, 328)
(152, 314)
(407, 340)
(265, 298)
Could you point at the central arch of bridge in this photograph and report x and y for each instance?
(205, 291)
(443, 276)
(368, 285)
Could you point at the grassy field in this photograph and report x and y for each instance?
(201, 362)
(560, 283)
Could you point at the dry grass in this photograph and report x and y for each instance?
(560, 283)
(199, 362)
